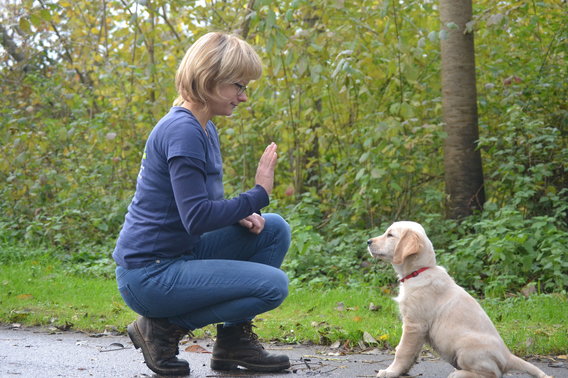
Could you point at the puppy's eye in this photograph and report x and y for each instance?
(390, 235)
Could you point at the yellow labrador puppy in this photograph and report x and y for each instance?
(437, 311)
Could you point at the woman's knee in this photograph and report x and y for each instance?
(278, 225)
(279, 290)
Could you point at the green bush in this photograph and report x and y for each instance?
(505, 252)
(354, 106)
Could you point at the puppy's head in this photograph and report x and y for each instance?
(400, 241)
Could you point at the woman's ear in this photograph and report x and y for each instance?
(409, 244)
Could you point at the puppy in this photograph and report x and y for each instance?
(435, 310)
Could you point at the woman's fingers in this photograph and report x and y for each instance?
(269, 157)
(254, 223)
(266, 165)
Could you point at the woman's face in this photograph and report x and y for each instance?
(231, 95)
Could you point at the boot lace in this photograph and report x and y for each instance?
(171, 347)
(249, 333)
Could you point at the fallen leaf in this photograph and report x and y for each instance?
(357, 318)
(64, 327)
(196, 349)
(112, 347)
(529, 289)
(368, 338)
(373, 307)
(371, 351)
(338, 353)
(340, 306)
(24, 296)
(335, 345)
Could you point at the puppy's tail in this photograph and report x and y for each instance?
(516, 363)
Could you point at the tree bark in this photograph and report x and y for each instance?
(462, 159)
(245, 25)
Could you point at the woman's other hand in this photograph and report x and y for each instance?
(265, 171)
(254, 223)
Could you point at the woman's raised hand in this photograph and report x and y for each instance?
(265, 171)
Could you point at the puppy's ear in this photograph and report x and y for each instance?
(409, 244)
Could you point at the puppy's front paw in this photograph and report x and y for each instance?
(386, 374)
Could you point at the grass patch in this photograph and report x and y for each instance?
(42, 290)
(327, 316)
(535, 325)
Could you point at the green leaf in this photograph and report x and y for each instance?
(35, 19)
(433, 36)
(270, 19)
(469, 27)
(452, 26)
(24, 25)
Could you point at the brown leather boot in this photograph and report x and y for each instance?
(239, 346)
(159, 341)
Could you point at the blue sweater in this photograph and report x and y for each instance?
(179, 193)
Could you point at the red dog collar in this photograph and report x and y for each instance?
(414, 274)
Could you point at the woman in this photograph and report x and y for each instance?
(186, 256)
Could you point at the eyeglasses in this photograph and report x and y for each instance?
(241, 88)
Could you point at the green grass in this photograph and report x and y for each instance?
(326, 316)
(534, 325)
(41, 290)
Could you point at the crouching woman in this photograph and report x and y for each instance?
(186, 256)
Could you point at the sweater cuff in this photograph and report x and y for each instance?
(261, 198)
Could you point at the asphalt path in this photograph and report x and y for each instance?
(34, 352)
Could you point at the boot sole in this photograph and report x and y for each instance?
(218, 364)
(139, 343)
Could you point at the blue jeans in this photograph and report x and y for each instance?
(231, 276)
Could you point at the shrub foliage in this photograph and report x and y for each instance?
(350, 92)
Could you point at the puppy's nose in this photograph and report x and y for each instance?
(369, 242)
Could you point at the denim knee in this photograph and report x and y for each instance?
(279, 226)
(279, 290)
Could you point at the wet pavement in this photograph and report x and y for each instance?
(34, 352)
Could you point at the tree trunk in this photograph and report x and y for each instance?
(462, 160)
(10, 46)
(245, 25)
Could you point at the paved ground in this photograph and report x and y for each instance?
(42, 353)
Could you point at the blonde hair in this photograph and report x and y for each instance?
(213, 60)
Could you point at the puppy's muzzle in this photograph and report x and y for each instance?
(370, 248)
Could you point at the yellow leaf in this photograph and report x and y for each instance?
(25, 25)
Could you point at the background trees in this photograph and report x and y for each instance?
(462, 158)
(351, 93)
